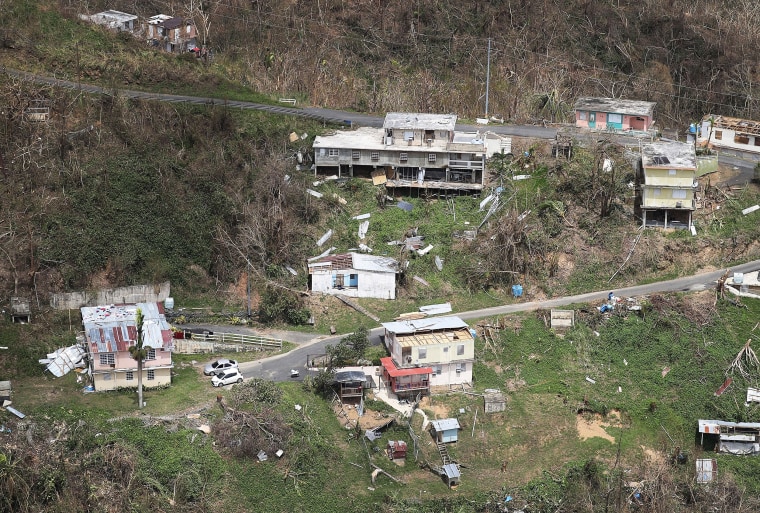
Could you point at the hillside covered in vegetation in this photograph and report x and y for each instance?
(112, 191)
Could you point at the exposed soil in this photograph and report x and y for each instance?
(349, 416)
(440, 411)
(590, 426)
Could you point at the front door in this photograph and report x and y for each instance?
(592, 119)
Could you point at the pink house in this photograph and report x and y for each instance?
(614, 114)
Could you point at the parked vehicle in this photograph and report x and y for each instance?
(219, 367)
(227, 378)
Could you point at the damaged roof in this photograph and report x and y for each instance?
(616, 106)
(741, 126)
(669, 155)
(350, 376)
(354, 261)
(430, 324)
(111, 328)
(418, 121)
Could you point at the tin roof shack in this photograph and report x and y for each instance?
(110, 331)
(406, 383)
(731, 437)
(396, 450)
(354, 275)
(667, 177)
(732, 133)
(494, 401)
(21, 310)
(412, 150)
(614, 114)
(5, 391)
(114, 20)
(445, 344)
(350, 385)
(445, 430)
(451, 475)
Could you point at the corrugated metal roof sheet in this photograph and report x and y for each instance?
(431, 324)
(112, 328)
(451, 470)
(350, 376)
(395, 372)
(445, 424)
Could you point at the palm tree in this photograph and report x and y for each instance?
(139, 353)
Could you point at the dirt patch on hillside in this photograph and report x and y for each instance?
(440, 411)
(591, 426)
(348, 416)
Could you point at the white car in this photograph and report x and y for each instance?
(227, 378)
(219, 366)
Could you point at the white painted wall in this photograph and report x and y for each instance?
(370, 285)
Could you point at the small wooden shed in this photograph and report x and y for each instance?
(5, 391)
(21, 310)
(494, 401)
(446, 430)
(396, 449)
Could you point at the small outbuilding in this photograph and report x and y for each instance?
(396, 449)
(451, 475)
(350, 384)
(494, 401)
(21, 311)
(445, 430)
(5, 391)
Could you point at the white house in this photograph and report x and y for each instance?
(411, 150)
(731, 133)
(354, 275)
(444, 344)
(114, 20)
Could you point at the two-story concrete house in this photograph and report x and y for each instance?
(172, 34)
(614, 114)
(667, 178)
(411, 150)
(441, 347)
(110, 331)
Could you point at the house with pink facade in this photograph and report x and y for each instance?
(614, 114)
(109, 332)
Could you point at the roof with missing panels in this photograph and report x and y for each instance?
(355, 261)
(112, 328)
(117, 16)
(616, 106)
(421, 325)
(417, 121)
(669, 155)
(740, 126)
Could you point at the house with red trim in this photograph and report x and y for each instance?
(442, 348)
(109, 332)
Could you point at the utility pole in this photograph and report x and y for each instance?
(488, 74)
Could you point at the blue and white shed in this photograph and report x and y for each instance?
(446, 430)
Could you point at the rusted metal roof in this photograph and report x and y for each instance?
(357, 261)
(112, 328)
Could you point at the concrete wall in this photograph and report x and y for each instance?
(372, 285)
(150, 293)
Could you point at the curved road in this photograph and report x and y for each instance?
(277, 368)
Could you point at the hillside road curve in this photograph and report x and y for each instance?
(277, 368)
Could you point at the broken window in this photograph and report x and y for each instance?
(741, 139)
(107, 359)
(719, 135)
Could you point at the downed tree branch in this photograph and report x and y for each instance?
(379, 471)
(745, 357)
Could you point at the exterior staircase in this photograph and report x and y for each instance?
(444, 453)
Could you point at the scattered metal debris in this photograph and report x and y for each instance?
(64, 360)
(314, 193)
(436, 309)
(753, 395)
(438, 263)
(291, 270)
(404, 205)
(324, 238)
(361, 216)
(417, 278)
(323, 254)
(15, 412)
(751, 209)
(425, 251)
(363, 227)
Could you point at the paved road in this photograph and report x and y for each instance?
(278, 367)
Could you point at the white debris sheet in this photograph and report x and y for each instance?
(64, 360)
